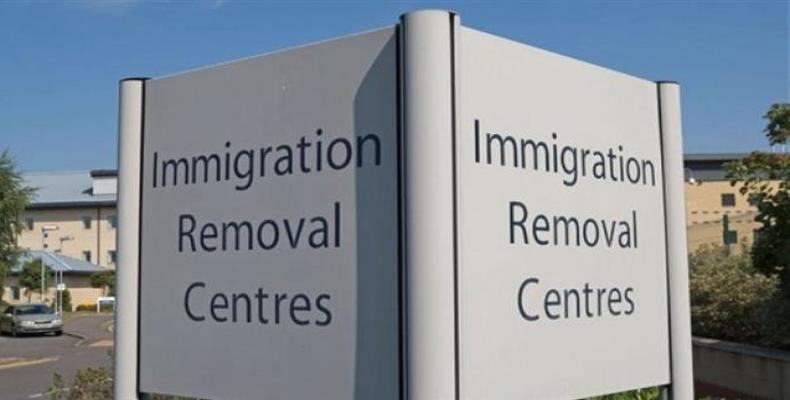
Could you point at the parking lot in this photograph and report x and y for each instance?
(27, 363)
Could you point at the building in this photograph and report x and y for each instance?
(72, 217)
(73, 213)
(76, 275)
(712, 202)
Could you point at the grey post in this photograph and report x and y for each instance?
(130, 128)
(682, 380)
(428, 164)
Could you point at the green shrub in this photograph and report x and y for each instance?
(66, 299)
(640, 394)
(86, 307)
(731, 300)
(88, 384)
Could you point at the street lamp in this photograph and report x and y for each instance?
(59, 275)
(44, 230)
(690, 174)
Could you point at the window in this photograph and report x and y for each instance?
(86, 255)
(15, 292)
(730, 237)
(86, 222)
(728, 200)
(29, 223)
(113, 256)
(113, 220)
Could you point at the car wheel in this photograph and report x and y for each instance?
(58, 333)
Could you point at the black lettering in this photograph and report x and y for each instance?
(331, 160)
(361, 148)
(614, 298)
(631, 306)
(304, 306)
(188, 310)
(218, 302)
(241, 296)
(551, 302)
(520, 223)
(188, 234)
(520, 300)
(324, 310)
(540, 225)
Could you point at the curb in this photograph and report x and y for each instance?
(75, 335)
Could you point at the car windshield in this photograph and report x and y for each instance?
(36, 309)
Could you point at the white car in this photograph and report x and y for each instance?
(30, 318)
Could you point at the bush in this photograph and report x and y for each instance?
(731, 300)
(88, 384)
(86, 307)
(66, 299)
(93, 384)
(640, 394)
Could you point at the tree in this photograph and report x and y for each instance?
(778, 128)
(14, 198)
(104, 280)
(30, 278)
(765, 178)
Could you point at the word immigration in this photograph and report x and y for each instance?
(243, 166)
(572, 162)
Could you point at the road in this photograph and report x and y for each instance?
(46, 355)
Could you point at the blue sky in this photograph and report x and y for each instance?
(60, 62)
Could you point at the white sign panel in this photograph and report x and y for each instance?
(269, 258)
(561, 236)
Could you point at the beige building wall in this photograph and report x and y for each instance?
(705, 211)
(98, 239)
(78, 285)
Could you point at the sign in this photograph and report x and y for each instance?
(61, 287)
(269, 226)
(562, 253)
(418, 212)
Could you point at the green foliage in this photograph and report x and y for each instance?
(88, 384)
(778, 128)
(30, 278)
(765, 177)
(66, 299)
(640, 394)
(731, 300)
(93, 384)
(86, 307)
(104, 280)
(14, 198)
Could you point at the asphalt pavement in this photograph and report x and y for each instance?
(27, 363)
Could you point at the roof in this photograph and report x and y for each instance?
(104, 173)
(57, 262)
(65, 188)
(709, 166)
(714, 156)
